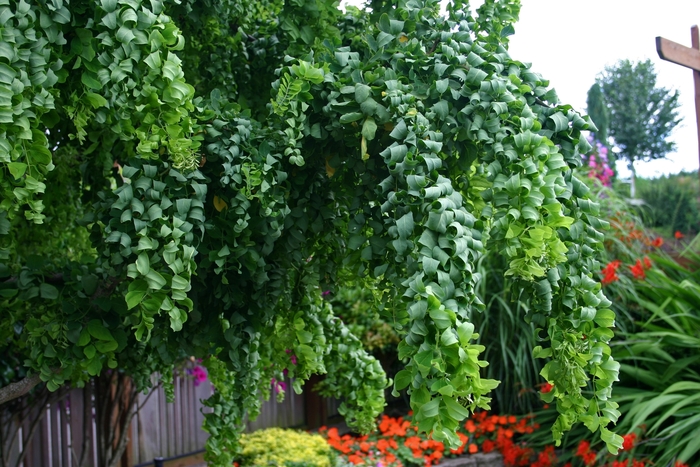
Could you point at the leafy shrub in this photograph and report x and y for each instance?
(284, 448)
(355, 306)
(655, 298)
(671, 202)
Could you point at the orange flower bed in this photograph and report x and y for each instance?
(397, 444)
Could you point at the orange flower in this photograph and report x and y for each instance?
(355, 459)
(657, 242)
(473, 448)
(469, 426)
(678, 235)
(647, 263)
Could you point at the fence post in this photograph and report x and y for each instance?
(158, 462)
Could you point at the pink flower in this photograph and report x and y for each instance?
(199, 374)
(279, 386)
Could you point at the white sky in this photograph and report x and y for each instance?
(569, 42)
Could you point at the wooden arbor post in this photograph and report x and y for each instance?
(688, 57)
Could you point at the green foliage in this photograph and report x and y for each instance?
(657, 322)
(671, 203)
(641, 114)
(284, 448)
(597, 110)
(228, 177)
(356, 307)
(508, 339)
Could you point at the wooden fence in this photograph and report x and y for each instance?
(159, 429)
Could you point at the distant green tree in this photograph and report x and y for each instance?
(642, 115)
(595, 106)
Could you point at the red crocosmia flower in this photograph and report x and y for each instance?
(609, 274)
(583, 448)
(657, 242)
(680, 464)
(620, 463)
(546, 387)
(638, 270)
(589, 458)
(636, 463)
(647, 263)
(628, 441)
(678, 235)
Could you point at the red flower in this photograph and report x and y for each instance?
(680, 464)
(546, 387)
(609, 274)
(589, 458)
(583, 447)
(647, 263)
(636, 463)
(678, 235)
(638, 270)
(620, 463)
(628, 441)
(657, 242)
(489, 446)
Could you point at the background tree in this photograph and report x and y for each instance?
(204, 217)
(597, 110)
(642, 114)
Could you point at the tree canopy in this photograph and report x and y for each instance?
(641, 115)
(187, 178)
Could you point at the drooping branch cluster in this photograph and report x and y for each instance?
(398, 147)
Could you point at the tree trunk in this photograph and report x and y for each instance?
(633, 181)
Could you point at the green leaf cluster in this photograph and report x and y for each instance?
(227, 177)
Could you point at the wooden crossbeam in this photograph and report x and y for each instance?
(688, 57)
(677, 53)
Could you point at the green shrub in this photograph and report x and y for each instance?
(284, 448)
(671, 202)
(356, 307)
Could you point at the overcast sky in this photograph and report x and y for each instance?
(569, 42)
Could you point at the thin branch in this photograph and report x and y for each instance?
(152, 391)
